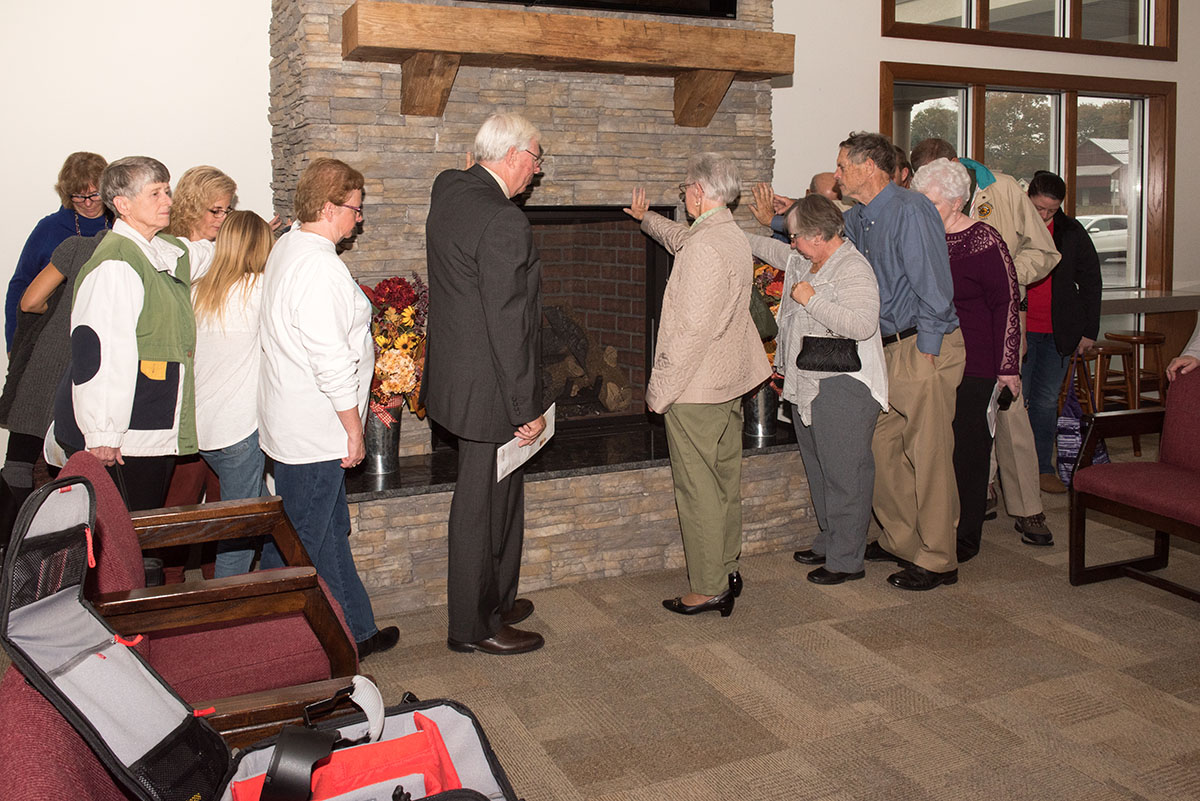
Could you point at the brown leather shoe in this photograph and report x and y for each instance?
(504, 642)
(521, 609)
(1050, 483)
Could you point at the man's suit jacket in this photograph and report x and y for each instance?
(483, 376)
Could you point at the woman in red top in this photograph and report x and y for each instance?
(1063, 318)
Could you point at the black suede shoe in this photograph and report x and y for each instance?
(915, 577)
(809, 557)
(877, 553)
(736, 583)
(722, 603)
(378, 642)
(823, 576)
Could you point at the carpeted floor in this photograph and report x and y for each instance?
(1010, 685)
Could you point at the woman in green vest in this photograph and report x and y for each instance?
(129, 398)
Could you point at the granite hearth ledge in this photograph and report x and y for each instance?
(562, 457)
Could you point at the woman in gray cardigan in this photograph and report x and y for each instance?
(830, 291)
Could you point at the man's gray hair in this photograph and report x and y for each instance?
(862, 145)
(127, 177)
(716, 174)
(948, 178)
(502, 131)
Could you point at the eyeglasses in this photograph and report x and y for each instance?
(538, 158)
(86, 198)
(358, 210)
(219, 212)
(683, 187)
(794, 237)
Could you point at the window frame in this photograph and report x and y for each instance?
(1165, 47)
(1158, 191)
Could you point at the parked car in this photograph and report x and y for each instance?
(1109, 233)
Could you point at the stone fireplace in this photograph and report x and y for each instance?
(604, 134)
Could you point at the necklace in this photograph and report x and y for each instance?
(80, 233)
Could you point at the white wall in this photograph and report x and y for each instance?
(836, 83)
(188, 84)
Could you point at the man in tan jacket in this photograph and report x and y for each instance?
(1000, 202)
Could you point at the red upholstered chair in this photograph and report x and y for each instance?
(41, 754)
(1164, 495)
(262, 644)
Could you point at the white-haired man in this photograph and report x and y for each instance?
(482, 379)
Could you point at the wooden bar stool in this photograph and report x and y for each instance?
(1147, 356)
(1103, 384)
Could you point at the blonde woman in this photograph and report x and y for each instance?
(226, 300)
(203, 198)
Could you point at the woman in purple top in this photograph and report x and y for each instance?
(985, 297)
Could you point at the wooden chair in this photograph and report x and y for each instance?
(255, 648)
(1161, 495)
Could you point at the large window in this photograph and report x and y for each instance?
(1129, 28)
(1112, 140)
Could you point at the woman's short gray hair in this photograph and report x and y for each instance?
(716, 174)
(815, 215)
(948, 178)
(501, 131)
(127, 177)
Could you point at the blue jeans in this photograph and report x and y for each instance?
(314, 498)
(1041, 380)
(240, 468)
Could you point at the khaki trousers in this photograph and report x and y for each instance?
(705, 440)
(1015, 455)
(915, 498)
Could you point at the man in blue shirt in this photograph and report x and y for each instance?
(902, 236)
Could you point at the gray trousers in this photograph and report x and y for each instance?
(836, 450)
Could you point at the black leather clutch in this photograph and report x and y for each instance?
(829, 355)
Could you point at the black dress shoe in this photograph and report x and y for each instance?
(915, 577)
(823, 576)
(378, 642)
(966, 554)
(877, 553)
(504, 642)
(722, 603)
(736, 583)
(809, 557)
(521, 609)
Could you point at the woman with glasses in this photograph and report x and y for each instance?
(82, 214)
(317, 363)
(708, 354)
(202, 199)
(830, 292)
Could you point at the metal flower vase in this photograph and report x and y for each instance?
(760, 414)
(383, 442)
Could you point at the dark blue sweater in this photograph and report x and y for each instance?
(47, 235)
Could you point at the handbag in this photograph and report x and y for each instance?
(1070, 435)
(760, 312)
(829, 355)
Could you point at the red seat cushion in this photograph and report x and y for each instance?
(1163, 489)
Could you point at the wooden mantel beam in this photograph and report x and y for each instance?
(431, 42)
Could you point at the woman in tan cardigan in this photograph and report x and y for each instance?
(707, 356)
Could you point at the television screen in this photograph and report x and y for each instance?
(720, 9)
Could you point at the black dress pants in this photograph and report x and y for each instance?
(972, 455)
(486, 531)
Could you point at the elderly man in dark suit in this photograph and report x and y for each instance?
(483, 374)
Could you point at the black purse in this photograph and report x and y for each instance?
(829, 355)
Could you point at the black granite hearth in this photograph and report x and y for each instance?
(625, 444)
